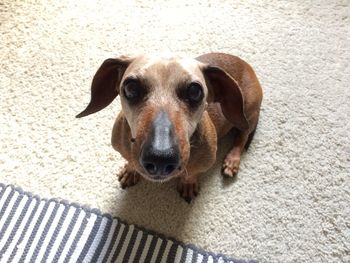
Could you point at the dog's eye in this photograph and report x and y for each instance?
(132, 89)
(194, 93)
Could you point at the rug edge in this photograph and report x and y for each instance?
(98, 212)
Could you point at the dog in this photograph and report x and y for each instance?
(174, 110)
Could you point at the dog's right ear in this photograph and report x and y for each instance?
(105, 84)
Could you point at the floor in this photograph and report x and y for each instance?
(290, 200)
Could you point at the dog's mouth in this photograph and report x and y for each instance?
(158, 178)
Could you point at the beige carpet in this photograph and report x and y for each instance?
(290, 202)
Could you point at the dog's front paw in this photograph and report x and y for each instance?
(128, 177)
(187, 190)
(231, 166)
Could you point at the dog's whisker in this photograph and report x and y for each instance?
(193, 146)
(186, 172)
(133, 166)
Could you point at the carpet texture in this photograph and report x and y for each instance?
(290, 201)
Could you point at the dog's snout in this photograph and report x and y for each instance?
(160, 153)
(160, 162)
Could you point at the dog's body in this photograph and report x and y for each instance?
(173, 112)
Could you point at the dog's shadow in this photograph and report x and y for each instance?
(160, 208)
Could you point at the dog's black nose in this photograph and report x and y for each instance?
(160, 162)
(160, 153)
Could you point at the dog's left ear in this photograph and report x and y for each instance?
(225, 90)
(105, 84)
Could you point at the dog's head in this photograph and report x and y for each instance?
(163, 100)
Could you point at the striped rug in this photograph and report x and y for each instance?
(40, 230)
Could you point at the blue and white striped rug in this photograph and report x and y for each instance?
(40, 230)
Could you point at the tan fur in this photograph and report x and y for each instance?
(232, 98)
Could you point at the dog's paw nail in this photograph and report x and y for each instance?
(229, 171)
(188, 199)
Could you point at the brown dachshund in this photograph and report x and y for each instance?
(173, 112)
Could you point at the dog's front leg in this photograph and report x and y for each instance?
(202, 157)
(187, 186)
(128, 176)
(121, 142)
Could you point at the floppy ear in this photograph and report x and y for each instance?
(225, 90)
(104, 87)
